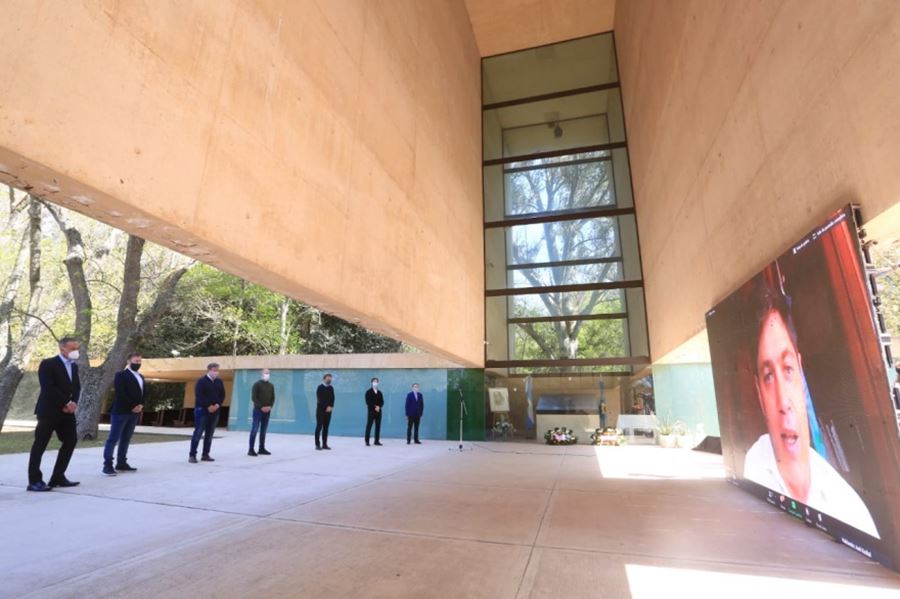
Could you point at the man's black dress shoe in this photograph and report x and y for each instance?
(206, 458)
(39, 487)
(63, 482)
(377, 442)
(265, 452)
(125, 468)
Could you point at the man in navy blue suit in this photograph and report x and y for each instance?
(124, 414)
(415, 406)
(209, 395)
(55, 410)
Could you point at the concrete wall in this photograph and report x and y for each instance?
(507, 25)
(327, 150)
(747, 123)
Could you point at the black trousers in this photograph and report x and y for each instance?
(64, 427)
(412, 422)
(323, 419)
(373, 418)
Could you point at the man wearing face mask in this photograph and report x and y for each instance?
(124, 415)
(415, 406)
(374, 403)
(209, 395)
(324, 407)
(55, 411)
(263, 395)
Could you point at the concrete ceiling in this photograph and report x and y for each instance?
(507, 25)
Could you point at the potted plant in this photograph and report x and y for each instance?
(683, 438)
(560, 436)
(667, 437)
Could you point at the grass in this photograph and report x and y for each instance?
(20, 441)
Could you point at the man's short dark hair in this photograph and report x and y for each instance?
(326, 376)
(766, 300)
(64, 341)
(212, 365)
(374, 378)
(134, 354)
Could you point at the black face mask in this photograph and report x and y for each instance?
(134, 367)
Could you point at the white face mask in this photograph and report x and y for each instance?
(265, 376)
(73, 355)
(375, 385)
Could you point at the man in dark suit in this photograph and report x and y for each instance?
(263, 396)
(324, 407)
(55, 410)
(374, 403)
(415, 406)
(124, 414)
(209, 395)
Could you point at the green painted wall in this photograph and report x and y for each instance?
(685, 392)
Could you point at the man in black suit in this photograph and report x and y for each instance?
(209, 395)
(374, 403)
(324, 407)
(55, 410)
(124, 414)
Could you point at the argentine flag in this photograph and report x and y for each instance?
(529, 385)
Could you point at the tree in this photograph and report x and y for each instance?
(131, 326)
(21, 328)
(565, 252)
(215, 313)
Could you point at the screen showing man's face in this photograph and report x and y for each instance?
(780, 386)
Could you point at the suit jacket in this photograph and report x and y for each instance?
(208, 392)
(324, 397)
(57, 389)
(415, 405)
(374, 398)
(128, 392)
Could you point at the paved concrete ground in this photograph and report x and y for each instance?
(501, 520)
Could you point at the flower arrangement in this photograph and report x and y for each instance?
(504, 428)
(560, 436)
(607, 436)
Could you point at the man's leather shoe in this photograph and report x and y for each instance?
(125, 468)
(63, 482)
(252, 453)
(378, 443)
(326, 447)
(109, 471)
(192, 459)
(264, 452)
(39, 487)
(417, 442)
(206, 458)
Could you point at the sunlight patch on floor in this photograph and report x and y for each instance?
(643, 462)
(658, 581)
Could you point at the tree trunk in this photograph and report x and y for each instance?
(285, 306)
(19, 351)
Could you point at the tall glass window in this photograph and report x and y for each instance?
(564, 290)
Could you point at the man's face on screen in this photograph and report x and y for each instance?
(780, 387)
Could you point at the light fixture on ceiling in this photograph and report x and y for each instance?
(557, 130)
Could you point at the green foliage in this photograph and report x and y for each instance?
(215, 313)
(887, 259)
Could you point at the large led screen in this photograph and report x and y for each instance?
(803, 396)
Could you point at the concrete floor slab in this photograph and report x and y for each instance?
(432, 509)
(502, 520)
